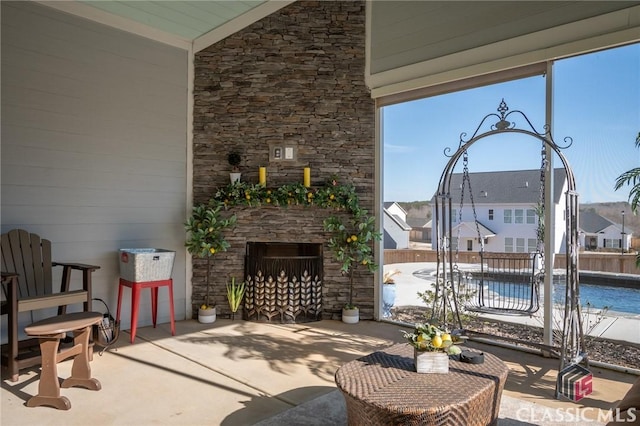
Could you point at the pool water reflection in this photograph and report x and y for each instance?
(616, 299)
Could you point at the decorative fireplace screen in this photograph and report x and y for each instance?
(284, 282)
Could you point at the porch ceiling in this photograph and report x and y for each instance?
(186, 19)
(185, 24)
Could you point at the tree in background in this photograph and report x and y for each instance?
(632, 177)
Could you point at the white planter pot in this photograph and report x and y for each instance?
(235, 177)
(388, 299)
(431, 362)
(207, 316)
(350, 316)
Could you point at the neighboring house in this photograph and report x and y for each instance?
(596, 232)
(396, 229)
(420, 229)
(505, 211)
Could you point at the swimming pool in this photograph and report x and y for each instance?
(618, 299)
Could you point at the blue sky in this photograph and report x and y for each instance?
(596, 103)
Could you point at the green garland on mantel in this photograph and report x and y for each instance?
(331, 195)
(350, 241)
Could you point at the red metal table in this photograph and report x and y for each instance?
(136, 287)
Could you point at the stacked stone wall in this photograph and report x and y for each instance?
(294, 78)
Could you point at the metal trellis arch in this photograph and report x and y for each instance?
(451, 282)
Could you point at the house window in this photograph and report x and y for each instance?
(519, 216)
(454, 215)
(612, 243)
(520, 245)
(469, 245)
(532, 244)
(531, 216)
(490, 214)
(507, 216)
(508, 244)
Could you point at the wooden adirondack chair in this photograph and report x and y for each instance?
(27, 285)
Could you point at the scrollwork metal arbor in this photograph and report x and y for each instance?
(448, 278)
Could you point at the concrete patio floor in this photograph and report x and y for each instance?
(245, 373)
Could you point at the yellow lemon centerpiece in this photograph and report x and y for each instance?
(428, 337)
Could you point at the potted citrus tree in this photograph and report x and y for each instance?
(205, 237)
(351, 244)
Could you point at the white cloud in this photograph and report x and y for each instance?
(390, 148)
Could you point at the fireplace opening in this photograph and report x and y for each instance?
(283, 282)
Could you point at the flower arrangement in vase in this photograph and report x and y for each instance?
(432, 347)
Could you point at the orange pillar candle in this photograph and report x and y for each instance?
(263, 176)
(307, 177)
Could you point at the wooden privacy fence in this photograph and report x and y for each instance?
(588, 261)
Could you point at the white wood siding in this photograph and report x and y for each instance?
(395, 209)
(395, 237)
(614, 232)
(94, 128)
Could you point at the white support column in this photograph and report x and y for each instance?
(188, 278)
(378, 203)
(549, 216)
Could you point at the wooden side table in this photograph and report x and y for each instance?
(383, 388)
(136, 287)
(49, 332)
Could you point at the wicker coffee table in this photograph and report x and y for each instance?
(383, 388)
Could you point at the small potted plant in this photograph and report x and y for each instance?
(431, 348)
(234, 160)
(205, 238)
(234, 295)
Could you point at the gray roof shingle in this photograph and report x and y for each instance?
(418, 222)
(505, 187)
(592, 222)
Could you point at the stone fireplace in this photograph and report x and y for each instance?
(283, 282)
(293, 78)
